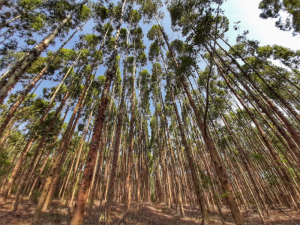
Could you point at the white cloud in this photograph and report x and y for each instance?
(262, 30)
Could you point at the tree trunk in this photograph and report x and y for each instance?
(197, 187)
(17, 168)
(9, 127)
(221, 172)
(115, 154)
(128, 182)
(16, 71)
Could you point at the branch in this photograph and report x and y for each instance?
(209, 75)
(207, 96)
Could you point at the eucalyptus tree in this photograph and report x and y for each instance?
(116, 150)
(22, 116)
(138, 59)
(33, 136)
(286, 176)
(225, 134)
(40, 105)
(53, 123)
(274, 8)
(219, 108)
(132, 17)
(91, 101)
(156, 79)
(96, 137)
(12, 76)
(65, 55)
(88, 70)
(157, 72)
(157, 33)
(22, 8)
(253, 84)
(201, 25)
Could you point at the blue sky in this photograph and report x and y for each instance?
(245, 11)
(262, 30)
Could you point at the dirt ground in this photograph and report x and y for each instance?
(142, 214)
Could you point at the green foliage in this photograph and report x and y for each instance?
(257, 156)
(85, 13)
(225, 194)
(91, 39)
(206, 181)
(28, 4)
(271, 179)
(30, 42)
(154, 33)
(4, 162)
(134, 16)
(67, 54)
(38, 22)
(154, 51)
(37, 65)
(273, 8)
(101, 11)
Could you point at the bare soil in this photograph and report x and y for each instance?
(141, 214)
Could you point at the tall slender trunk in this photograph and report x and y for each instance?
(101, 153)
(64, 150)
(80, 172)
(245, 162)
(250, 113)
(21, 14)
(78, 155)
(279, 97)
(77, 218)
(61, 151)
(14, 74)
(16, 105)
(111, 188)
(128, 182)
(8, 128)
(221, 171)
(37, 151)
(17, 168)
(197, 187)
(269, 103)
(41, 170)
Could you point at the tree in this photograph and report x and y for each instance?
(272, 9)
(202, 125)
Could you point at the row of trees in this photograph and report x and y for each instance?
(224, 135)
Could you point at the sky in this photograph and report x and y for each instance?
(245, 11)
(262, 30)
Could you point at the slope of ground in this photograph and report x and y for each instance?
(142, 214)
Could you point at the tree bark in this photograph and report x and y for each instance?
(14, 74)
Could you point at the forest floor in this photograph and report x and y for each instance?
(142, 214)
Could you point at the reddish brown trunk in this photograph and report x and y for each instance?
(221, 172)
(41, 170)
(128, 183)
(16, 71)
(282, 100)
(64, 155)
(10, 126)
(37, 151)
(265, 139)
(91, 159)
(17, 168)
(288, 125)
(197, 187)
(116, 151)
